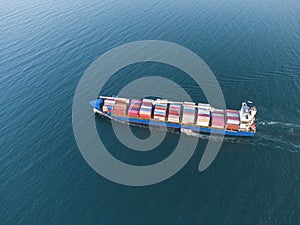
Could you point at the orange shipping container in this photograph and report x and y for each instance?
(232, 127)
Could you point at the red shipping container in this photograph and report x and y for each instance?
(232, 127)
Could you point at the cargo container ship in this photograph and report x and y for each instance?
(183, 116)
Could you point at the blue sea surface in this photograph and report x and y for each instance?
(253, 49)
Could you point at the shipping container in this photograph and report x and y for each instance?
(134, 107)
(218, 119)
(232, 119)
(120, 108)
(174, 113)
(203, 115)
(232, 127)
(160, 111)
(146, 109)
(188, 113)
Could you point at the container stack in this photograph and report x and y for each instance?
(188, 113)
(203, 116)
(218, 119)
(134, 108)
(146, 109)
(120, 108)
(160, 111)
(108, 106)
(232, 120)
(174, 113)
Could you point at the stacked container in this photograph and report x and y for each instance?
(174, 113)
(232, 120)
(134, 108)
(188, 113)
(160, 111)
(120, 108)
(146, 109)
(203, 116)
(218, 119)
(108, 106)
